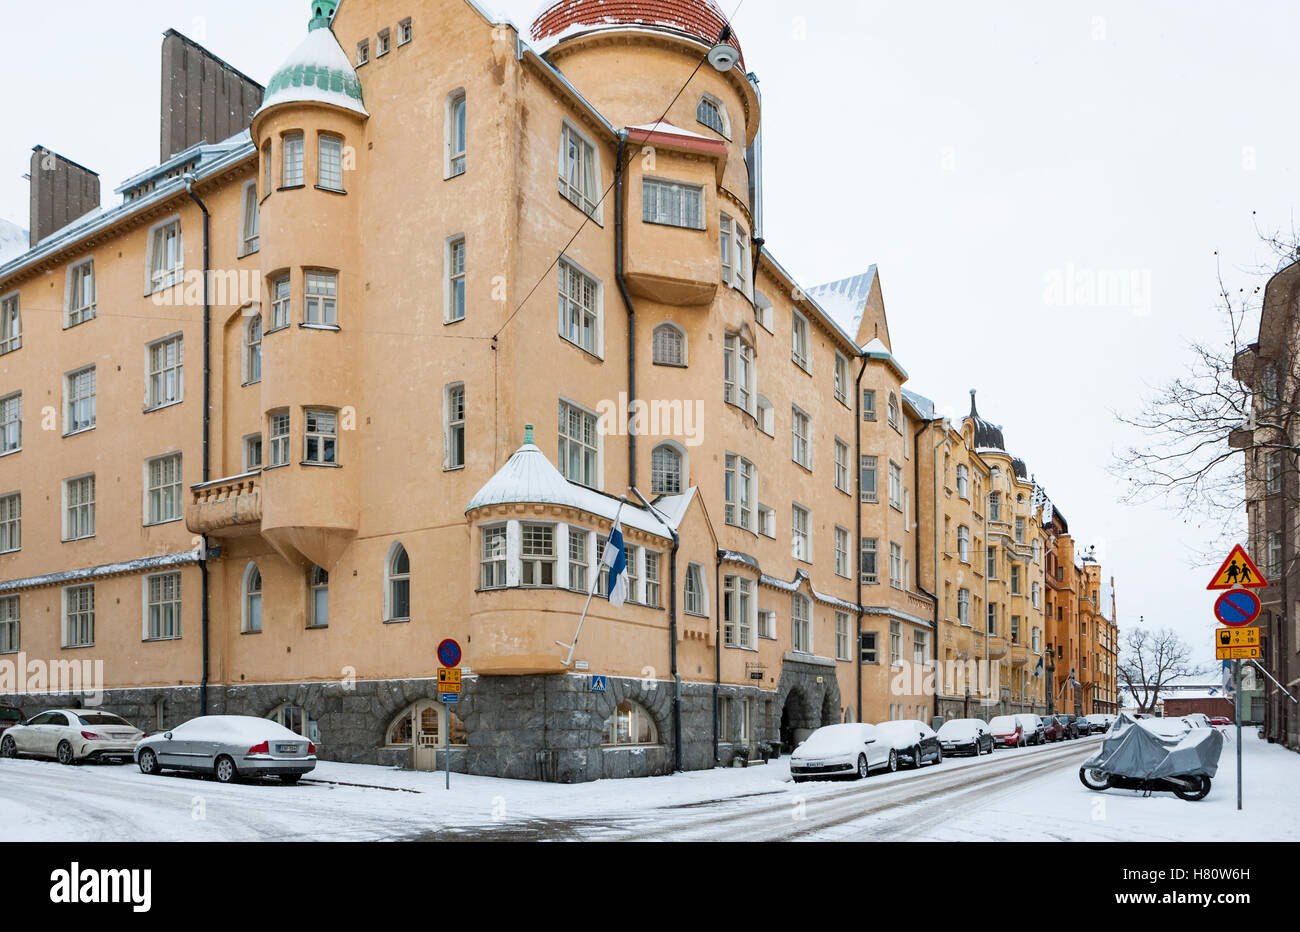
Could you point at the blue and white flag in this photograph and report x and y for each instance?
(1038, 670)
(614, 559)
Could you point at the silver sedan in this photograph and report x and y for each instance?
(228, 747)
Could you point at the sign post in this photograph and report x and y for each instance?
(449, 686)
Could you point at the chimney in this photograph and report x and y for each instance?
(61, 191)
(203, 98)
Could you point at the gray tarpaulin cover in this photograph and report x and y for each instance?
(1150, 749)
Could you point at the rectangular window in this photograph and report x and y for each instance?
(672, 204)
(10, 633)
(724, 228)
(1015, 629)
(767, 521)
(455, 427)
(492, 558)
(11, 423)
(694, 591)
(842, 636)
(1015, 580)
(991, 562)
(1273, 472)
(799, 341)
(869, 479)
(738, 604)
(79, 616)
(652, 579)
(320, 298)
(79, 389)
(383, 44)
(279, 434)
(579, 315)
(868, 650)
(578, 170)
(81, 293)
(404, 31)
(163, 606)
(457, 133)
(802, 431)
(292, 157)
(919, 652)
(578, 560)
(1020, 530)
(456, 280)
(868, 405)
(896, 485)
(801, 624)
(320, 446)
(739, 492)
(767, 625)
(801, 546)
(363, 52)
(11, 325)
(538, 554)
(895, 565)
(79, 514)
(895, 643)
(842, 553)
(841, 378)
(163, 501)
(167, 259)
(253, 453)
(250, 221)
(280, 302)
(1273, 566)
(11, 522)
(633, 572)
(166, 367)
(736, 720)
(870, 567)
(578, 453)
(841, 466)
(329, 166)
(738, 372)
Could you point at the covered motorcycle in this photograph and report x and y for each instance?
(1155, 754)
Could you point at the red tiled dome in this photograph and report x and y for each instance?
(698, 18)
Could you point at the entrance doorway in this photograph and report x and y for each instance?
(426, 727)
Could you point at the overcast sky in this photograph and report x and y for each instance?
(985, 156)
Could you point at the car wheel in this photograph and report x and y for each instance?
(8, 747)
(938, 754)
(916, 757)
(863, 769)
(893, 760)
(149, 763)
(65, 754)
(225, 769)
(290, 778)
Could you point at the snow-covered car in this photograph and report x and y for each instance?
(1008, 731)
(915, 742)
(1032, 726)
(229, 747)
(71, 736)
(1197, 720)
(850, 749)
(966, 736)
(1099, 722)
(1053, 730)
(1082, 726)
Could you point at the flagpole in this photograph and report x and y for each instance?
(592, 594)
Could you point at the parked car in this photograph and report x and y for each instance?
(1197, 719)
(1052, 729)
(1220, 720)
(9, 716)
(966, 736)
(71, 736)
(229, 747)
(1068, 728)
(1032, 726)
(1082, 726)
(915, 742)
(851, 749)
(1099, 722)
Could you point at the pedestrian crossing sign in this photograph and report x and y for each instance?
(1238, 570)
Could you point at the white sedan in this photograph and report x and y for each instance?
(71, 736)
(851, 749)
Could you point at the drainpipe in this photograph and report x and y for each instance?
(619, 220)
(916, 538)
(857, 470)
(207, 430)
(935, 511)
(717, 651)
(672, 632)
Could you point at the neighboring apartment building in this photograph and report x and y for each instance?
(274, 489)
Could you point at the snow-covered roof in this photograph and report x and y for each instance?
(99, 572)
(922, 405)
(876, 349)
(846, 300)
(13, 241)
(318, 71)
(528, 477)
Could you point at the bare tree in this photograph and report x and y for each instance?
(1151, 660)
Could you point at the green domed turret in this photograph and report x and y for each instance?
(318, 71)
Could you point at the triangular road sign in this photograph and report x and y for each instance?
(1238, 570)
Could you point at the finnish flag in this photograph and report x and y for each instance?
(614, 559)
(1038, 670)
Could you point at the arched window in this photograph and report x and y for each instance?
(666, 470)
(669, 345)
(296, 719)
(252, 600)
(426, 724)
(457, 133)
(319, 605)
(893, 410)
(713, 114)
(630, 725)
(398, 584)
(253, 350)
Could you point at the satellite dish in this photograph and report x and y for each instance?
(723, 57)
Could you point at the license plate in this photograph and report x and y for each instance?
(286, 749)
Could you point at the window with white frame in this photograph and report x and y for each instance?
(1037, 550)
(801, 430)
(457, 134)
(841, 465)
(1034, 593)
(668, 342)
(870, 567)
(895, 643)
(765, 415)
(252, 452)
(868, 650)
(995, 506)
(162, 606)
(579, 308)
(740, 493)
(10, 624)
(492, 557)
(1015, 580)
(666, 470)
(896, 485)
(11, 324)
(11, 522)
(868, 404)
(672, 203)
(538, 555)
(893, 412)
(842, 636)
(737, 612)
(963, 482)
(79, 508)
(163, 492)
(278, 432)
(291, 157)
(767, 521)
(800, 544)
(11, 423)
(320, 437)
(397, 579)
(630, 725)
(963, 543)
(578, 559)
(841, 378)
(329, 163)
(895, 565)
(404, 31)
(166, 360)
(653, 578)
(711, 112)
(363, 52)
(963, 606)
(868, 479)
(799, 351)
(1020, 530)
(250, 239)
(454, 427)
(801, 634)
(252, 600)
(79, 616)
(734, 243)
(920, 647)
(579, 170)
(253, 350)
(764, 312)
(383, 43)
(166, 256)
(81, 296)
(695, 594)
(602, 571)
(738, 372)
(735, 720)
(767, 624)
(318, 598)
(842, 553)
(579, 455)
(280, 302)
(630, 553)
(321, 298)
(79, 409)
(455, 279)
